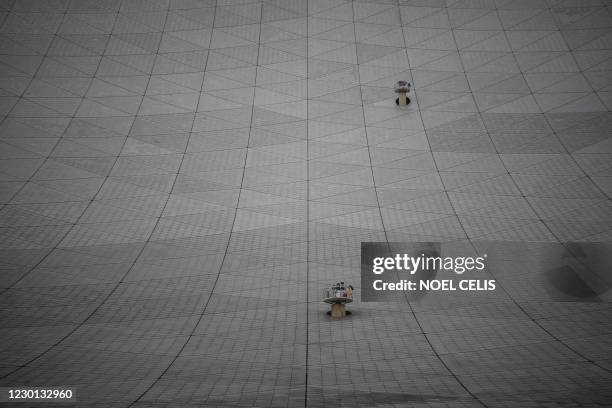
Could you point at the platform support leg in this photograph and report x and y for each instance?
(403, 101)
(338, 310)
